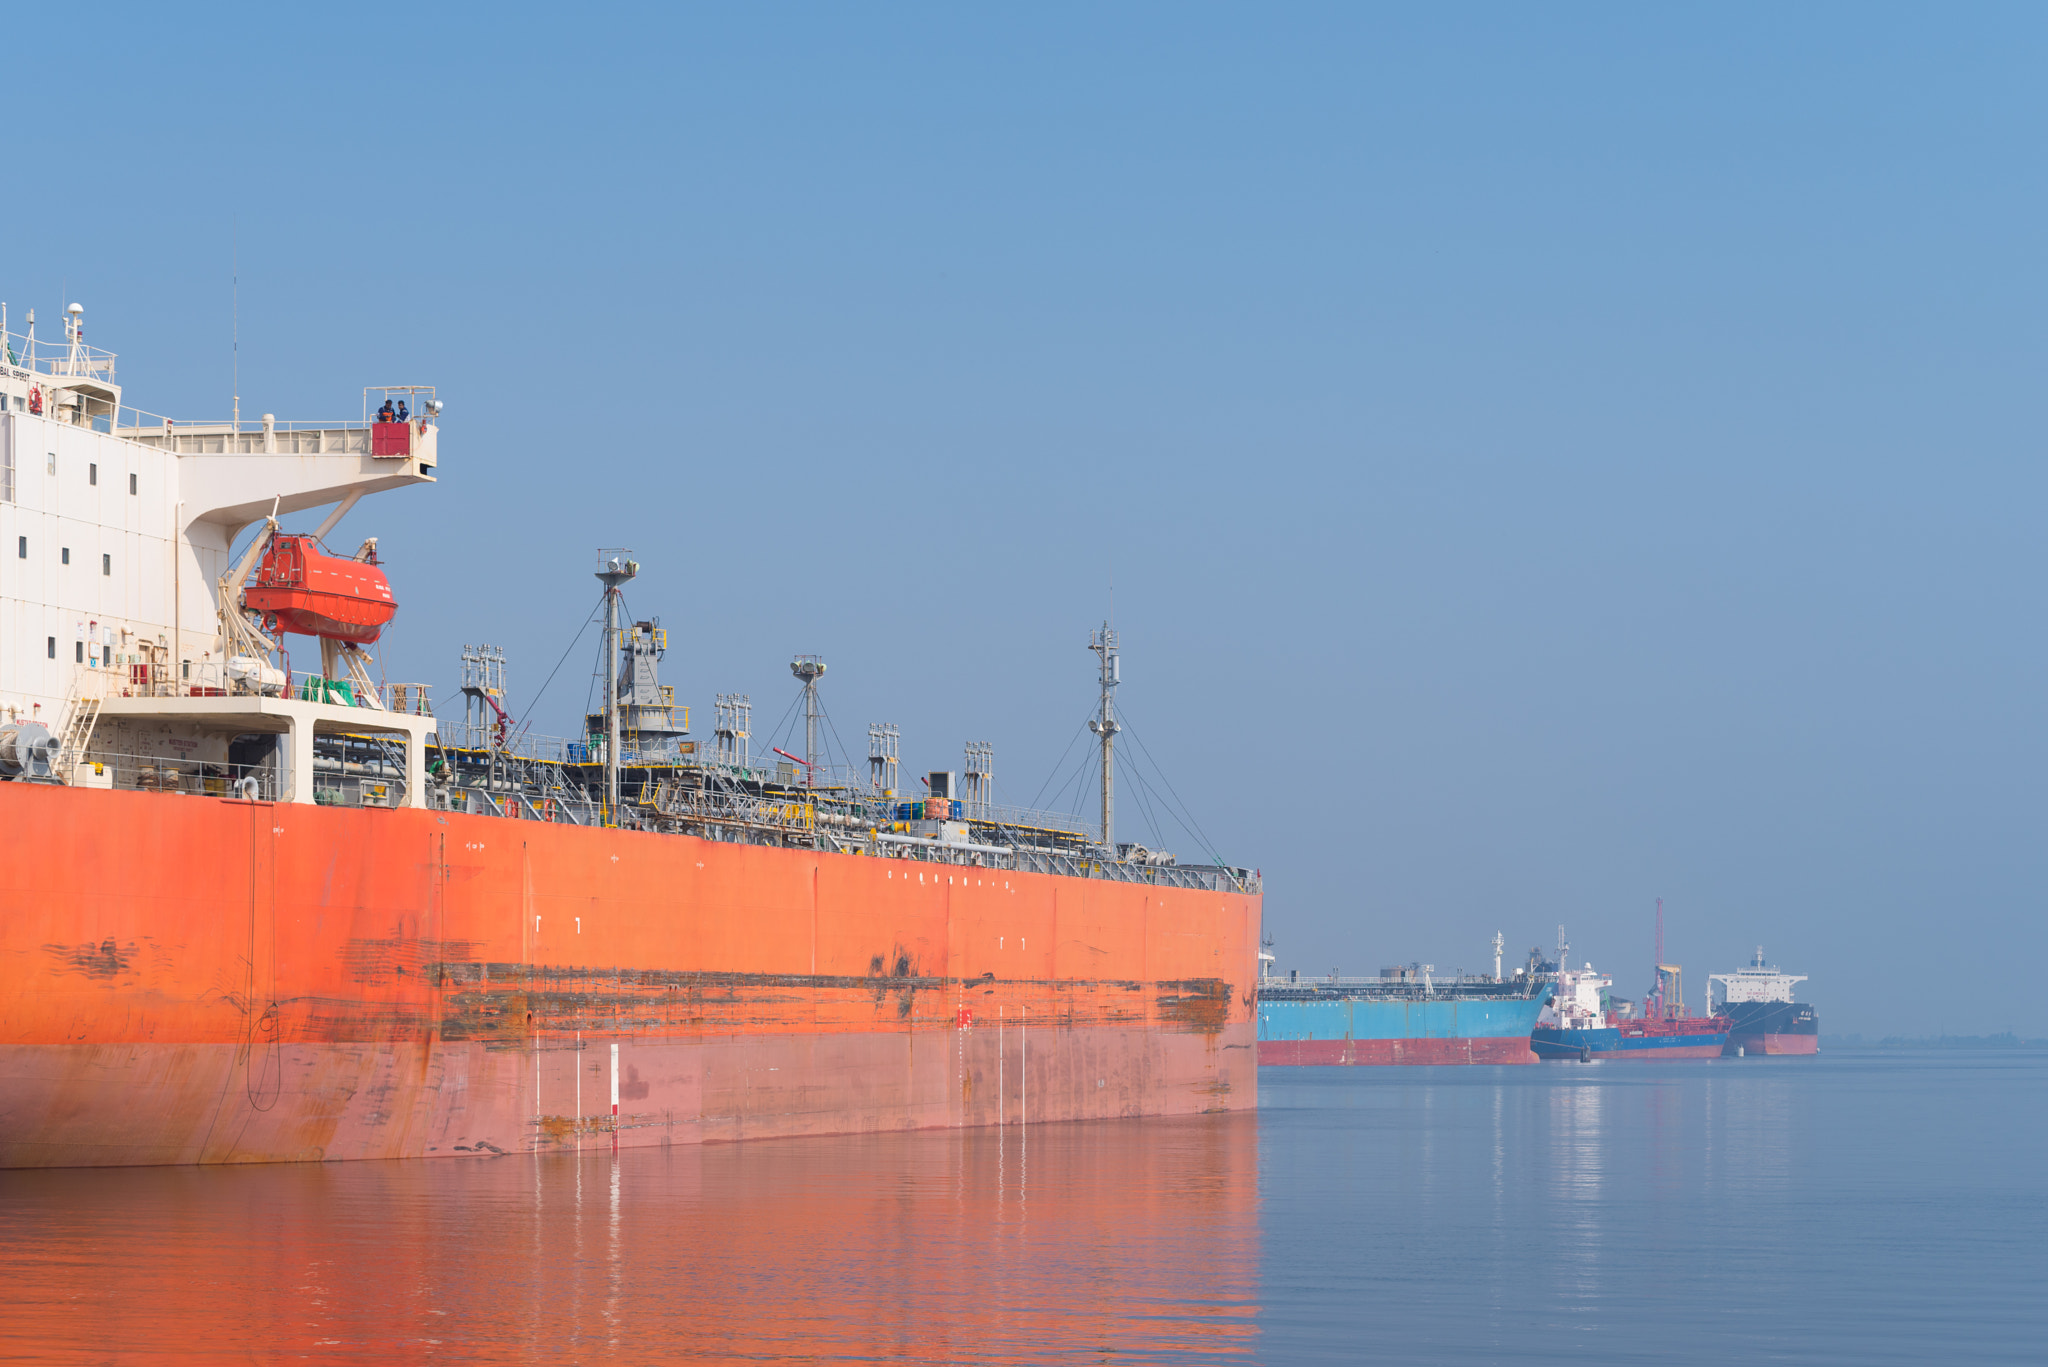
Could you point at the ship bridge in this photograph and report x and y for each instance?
(127, 650)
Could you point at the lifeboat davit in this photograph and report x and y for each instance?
(313, 593)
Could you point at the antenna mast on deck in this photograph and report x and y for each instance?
(980, 775)
(1669, 990)
(485, 722)
(884, 738)
(1103, 642)
(235, 308)
(808, 668)
(735, 720)
(1498, 941)
(614, 569)
(1657, 966)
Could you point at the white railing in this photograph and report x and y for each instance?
(54, 358)
(227, 436)
(206, 679)
(142, 419)
(1040, 819)
(179, 774)
(457, 734)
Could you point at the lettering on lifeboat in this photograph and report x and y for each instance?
(314, 593)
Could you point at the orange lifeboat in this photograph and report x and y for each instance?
(313, 593)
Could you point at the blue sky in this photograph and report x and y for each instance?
(1546, 460)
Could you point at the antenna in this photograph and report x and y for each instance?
(74, 333)
(980, 773)
(614, 568)
(734, 724)
(1657, 965)
(235, 310)
(1103, 642)
(808, 668)
(884, 740)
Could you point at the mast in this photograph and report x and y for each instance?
(1103, 642)
(614, 569)
(1658, 990)
(808, 668)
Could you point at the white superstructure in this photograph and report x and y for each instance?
(115, 530)
(1755, 983)
(1575, 1004)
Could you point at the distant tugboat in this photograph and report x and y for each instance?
(1762, 1017)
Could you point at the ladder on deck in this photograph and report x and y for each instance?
(80, 719)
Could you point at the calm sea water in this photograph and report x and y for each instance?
(1851, 1208)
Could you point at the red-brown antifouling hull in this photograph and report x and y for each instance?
(1378, 1052)
(191, 980)
(1775, 1044)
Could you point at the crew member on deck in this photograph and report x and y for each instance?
(402, 414)
(384, 413)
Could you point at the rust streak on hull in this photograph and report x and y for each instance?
(189, 980)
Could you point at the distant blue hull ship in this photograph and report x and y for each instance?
(1698, 1038)
(1578, 1025)
(1393, 1021)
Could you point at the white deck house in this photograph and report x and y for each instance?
(115, 532)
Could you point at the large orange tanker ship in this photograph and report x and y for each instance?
(250, 913)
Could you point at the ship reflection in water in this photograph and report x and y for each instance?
(1106, 1241)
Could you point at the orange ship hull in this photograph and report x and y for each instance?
(191, 980)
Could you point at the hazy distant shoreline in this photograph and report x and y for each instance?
(2007, 1040)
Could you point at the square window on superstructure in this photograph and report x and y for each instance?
(106, 564)
(64, 554)
(92, 474)
(53, 647)
(131, 483)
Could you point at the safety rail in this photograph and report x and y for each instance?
(556, 808)
(1034, 818)
(59, 360)
(725, 814)
(231, 437)
(131, 676)
(137, 678)
(1206, 877)
(411, 699)
(455, 735)
(681, 802)
(842, 785)
(1325, 986)
(176, 774)
(142, 418)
